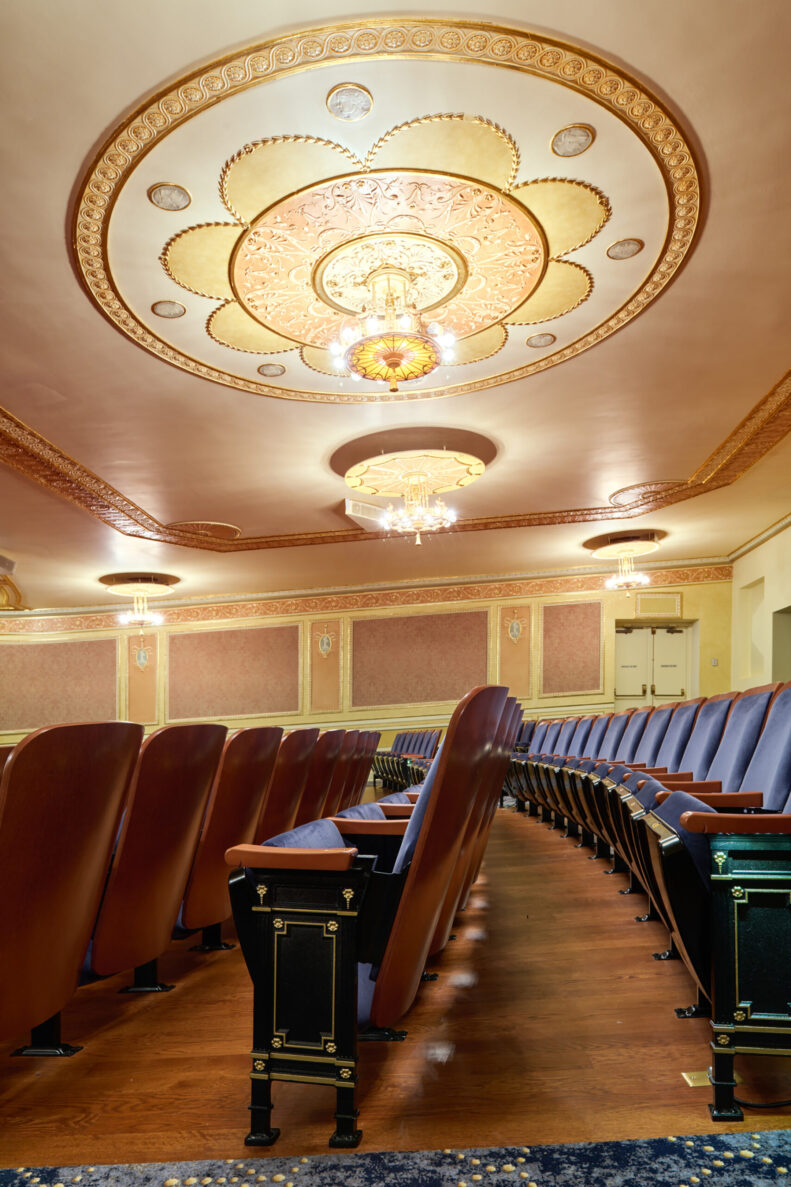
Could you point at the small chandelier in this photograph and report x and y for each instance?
(627, 576)
(388, 342)
(140, 615)
(418, 514)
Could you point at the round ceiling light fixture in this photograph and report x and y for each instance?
(140, 587)
(624, 547)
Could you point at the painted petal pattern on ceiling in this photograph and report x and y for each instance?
(460, 145)
(197, 259)
(231, 326)
(564, 287)
(263, 173)
(570, 212)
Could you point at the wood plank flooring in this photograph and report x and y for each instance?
(549, 1023)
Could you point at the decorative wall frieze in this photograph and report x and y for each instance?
(334, 603)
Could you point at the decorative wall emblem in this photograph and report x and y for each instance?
(515, 628)
(325, 640)
(142, 657)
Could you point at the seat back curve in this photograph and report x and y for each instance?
(317, 785)
(289, 778)
(61, 796)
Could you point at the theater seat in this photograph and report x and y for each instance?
(320, 772)
(61, 796)
(232, 813)
(154, 851)
(335, 912)
(288, 782)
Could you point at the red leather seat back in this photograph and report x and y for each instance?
(287, 784)
(340, 774)
(465, 759)
(61, 796)
(167, 802)
(246, 766)
(322, 766)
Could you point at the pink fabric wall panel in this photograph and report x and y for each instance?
(571, 648)
(233, 673)
(52, 683)
(426, 657)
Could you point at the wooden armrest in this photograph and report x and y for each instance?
(732, 822)
(637, 766)
(723, 799)
(658, 772)
(276, 857)
(397, 810)
(694, 786)
(370, 828)
(414, 796)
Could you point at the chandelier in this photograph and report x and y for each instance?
(140, 615)
(140, 587)
(418, 514)
(627, 576)
(388, 342)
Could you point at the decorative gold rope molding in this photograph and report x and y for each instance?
(321, 604)
(24, 450)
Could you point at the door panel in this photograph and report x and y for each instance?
(632, 668)
(670, 665)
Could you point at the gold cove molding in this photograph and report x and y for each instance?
(425, 38)
(24, 450)
(339, 603)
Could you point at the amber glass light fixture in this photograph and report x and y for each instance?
(388, 342)
(418, 514)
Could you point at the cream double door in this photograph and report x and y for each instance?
(650, 665)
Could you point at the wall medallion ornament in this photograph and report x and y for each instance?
(325, 641)
(274, 244)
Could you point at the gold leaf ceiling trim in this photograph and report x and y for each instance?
(259, 184)
(483, 345)
(431, 142)
(197, 259)
(416, 38)
(571, 212)
(230, 325)
(26, 451)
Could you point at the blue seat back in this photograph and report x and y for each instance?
(705, 736)
(615, 731)
(630, 739)
(677, 735)
(526, 732)
(739, 737)
(550, 738)
(769, 769)
(653, 734)
(579, 739)
(537, 739)
(563, 740)
(598, 732)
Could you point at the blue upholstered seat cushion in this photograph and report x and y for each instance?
(648, 792)
(317, 834)
(696, 844)
(395, 797)
(370, 811)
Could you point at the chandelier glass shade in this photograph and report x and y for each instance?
(418, 514)
(388, 342)
(627, 576)
(140, 615)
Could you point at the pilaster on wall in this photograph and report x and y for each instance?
(383, 659)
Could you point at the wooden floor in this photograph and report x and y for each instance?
(549, 1023)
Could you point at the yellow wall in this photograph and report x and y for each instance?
(708, 602)
(761, 641)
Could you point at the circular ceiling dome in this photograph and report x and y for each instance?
(234, 219)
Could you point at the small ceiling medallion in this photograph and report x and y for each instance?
(168, 309)
(270, 370)
(169, 197)
(573, 140)
(624, 249)
(539, 340)
(349, 101)
(206, 527)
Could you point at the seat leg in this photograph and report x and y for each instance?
(670, 953)
(45, 1040)
(211, 940)
(586, 838)
(346, 1136)
(634, 886)
(261, 1132)
(724, 1107)
(619, 866)
(699, 1009)
(146, 980)
(572, 828)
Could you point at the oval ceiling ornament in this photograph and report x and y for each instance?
(493, 169)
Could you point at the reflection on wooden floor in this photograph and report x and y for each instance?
(549, 1023)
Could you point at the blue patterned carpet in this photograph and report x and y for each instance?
(717, 1160)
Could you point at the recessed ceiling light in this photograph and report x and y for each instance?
(168, 309)
(539, 340)
(573, 140)
(169, 197)
(349, 101)
(624, 249)
(271, 369)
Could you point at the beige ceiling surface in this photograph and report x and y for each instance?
(649, 403)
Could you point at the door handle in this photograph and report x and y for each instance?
(644, 690)
(653, 690)
(683, 692)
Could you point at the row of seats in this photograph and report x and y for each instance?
(650, 788)
(407, 760)
(111, 845)
(363, 899)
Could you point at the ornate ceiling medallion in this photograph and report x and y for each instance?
(492, 233)
(389, 474)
